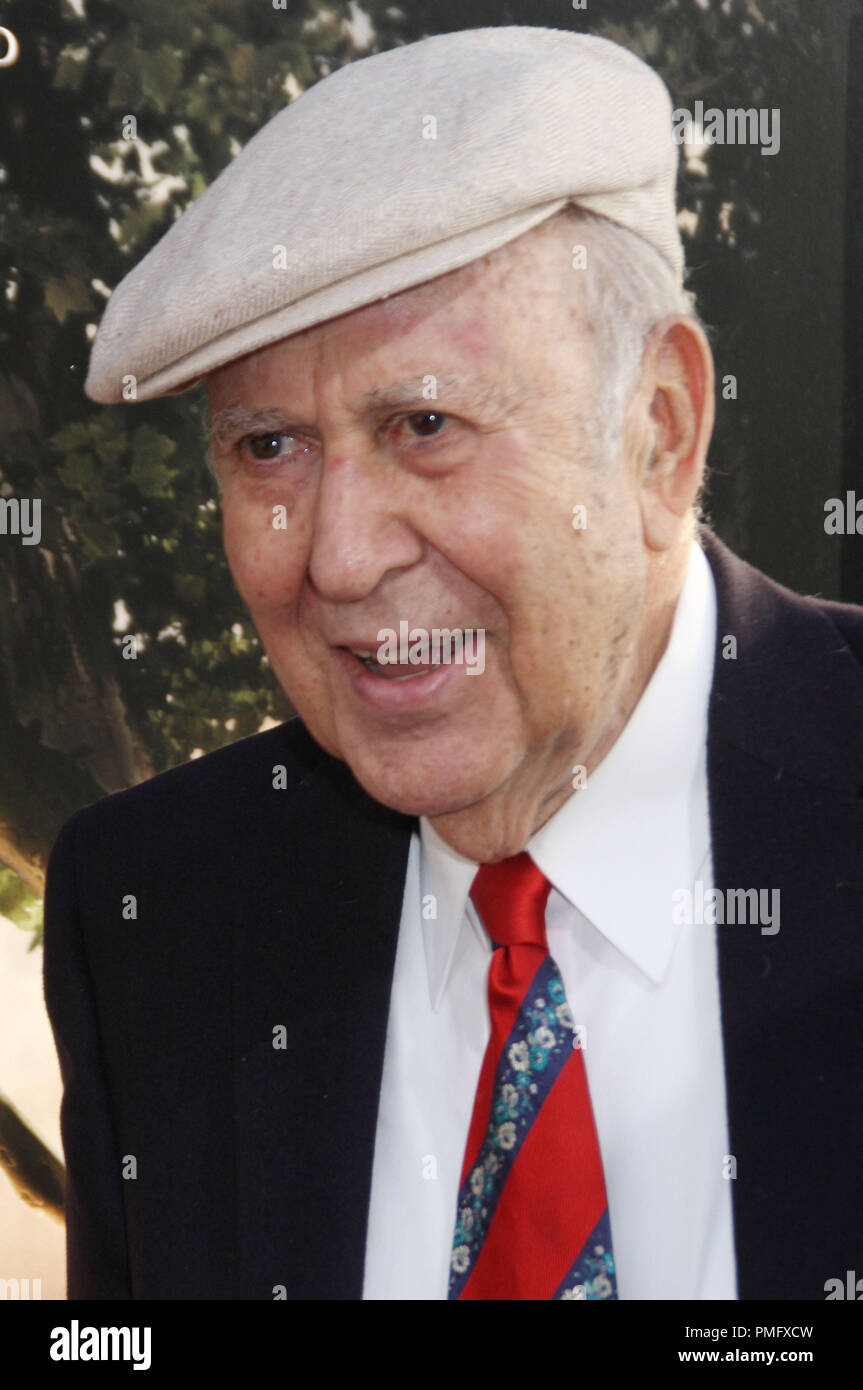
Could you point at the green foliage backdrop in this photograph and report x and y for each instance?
(131, 530)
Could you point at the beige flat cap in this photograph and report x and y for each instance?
(393, 170)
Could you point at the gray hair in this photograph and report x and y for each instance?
(628, 290)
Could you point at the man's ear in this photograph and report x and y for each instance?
(676, 422)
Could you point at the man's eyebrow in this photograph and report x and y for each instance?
(423, 391)
(235, 420)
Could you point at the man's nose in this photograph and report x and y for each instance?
(359, 530)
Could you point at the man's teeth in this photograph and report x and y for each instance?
(372, 664)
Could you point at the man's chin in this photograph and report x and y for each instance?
(419, 791)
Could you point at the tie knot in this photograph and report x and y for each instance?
(510, 897)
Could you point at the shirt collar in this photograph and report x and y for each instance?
(616, 848)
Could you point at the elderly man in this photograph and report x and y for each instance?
(525, 977)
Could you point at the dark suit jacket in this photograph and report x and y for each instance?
(258, 907)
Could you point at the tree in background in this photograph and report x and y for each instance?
(123, 646)
(114, 119)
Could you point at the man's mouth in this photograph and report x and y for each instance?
(391, 670)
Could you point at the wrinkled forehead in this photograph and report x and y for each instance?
(509, 314)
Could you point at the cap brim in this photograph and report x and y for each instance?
(354, 292)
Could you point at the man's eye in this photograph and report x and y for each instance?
(425, 423)
(274, 444)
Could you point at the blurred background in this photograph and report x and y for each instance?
(115, 115)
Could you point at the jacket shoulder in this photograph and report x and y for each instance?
(793, 694)
(226, 784)
(848, 618)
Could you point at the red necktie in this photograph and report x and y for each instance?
(532, 1219)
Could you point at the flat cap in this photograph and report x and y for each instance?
(393, 170)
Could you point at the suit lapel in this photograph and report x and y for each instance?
(314, 944)
(785, 763)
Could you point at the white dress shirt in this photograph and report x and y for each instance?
(644, 989)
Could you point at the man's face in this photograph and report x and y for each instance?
(353, 502)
